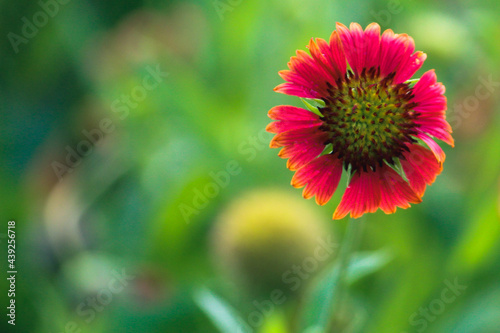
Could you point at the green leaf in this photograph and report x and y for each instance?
(480, 238)
(222, 314)
(412, 82)
(318, 101)
(327, 150)
(313, 108)
(399, 169)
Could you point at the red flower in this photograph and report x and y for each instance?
(372, 121)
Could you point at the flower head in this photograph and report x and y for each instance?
(371, 120)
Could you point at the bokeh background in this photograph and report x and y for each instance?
(177, 206)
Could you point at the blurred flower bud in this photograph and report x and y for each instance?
(269, 239)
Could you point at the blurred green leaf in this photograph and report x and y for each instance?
(361, 264)
(222, 314)
(366, 263)
(480, 240)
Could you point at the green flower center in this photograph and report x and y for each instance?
(369, 119)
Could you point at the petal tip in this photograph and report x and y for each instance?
(271, 127)
(321, 202)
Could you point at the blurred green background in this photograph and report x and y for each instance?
(178, 202)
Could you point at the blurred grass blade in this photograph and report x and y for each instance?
(222, 314)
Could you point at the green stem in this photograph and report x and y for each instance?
(349, 243)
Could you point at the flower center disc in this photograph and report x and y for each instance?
(368, 119)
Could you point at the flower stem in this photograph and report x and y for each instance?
(349, 243)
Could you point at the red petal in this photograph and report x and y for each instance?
(310, 71)
(284, 126)
(431, 107)
(372, 41)
(295, 89)
(322, 176)
(328, 70)
(354, 45)
(296, 136)
(436, 149)
(409, 67)
(300, 154)
(334, 56)
(437, 131)
(421, 87)
(394, 50)
(421, 167)
(361, 196)
(394, 190)
(336, 53)
(291, 118)
(291, 113)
